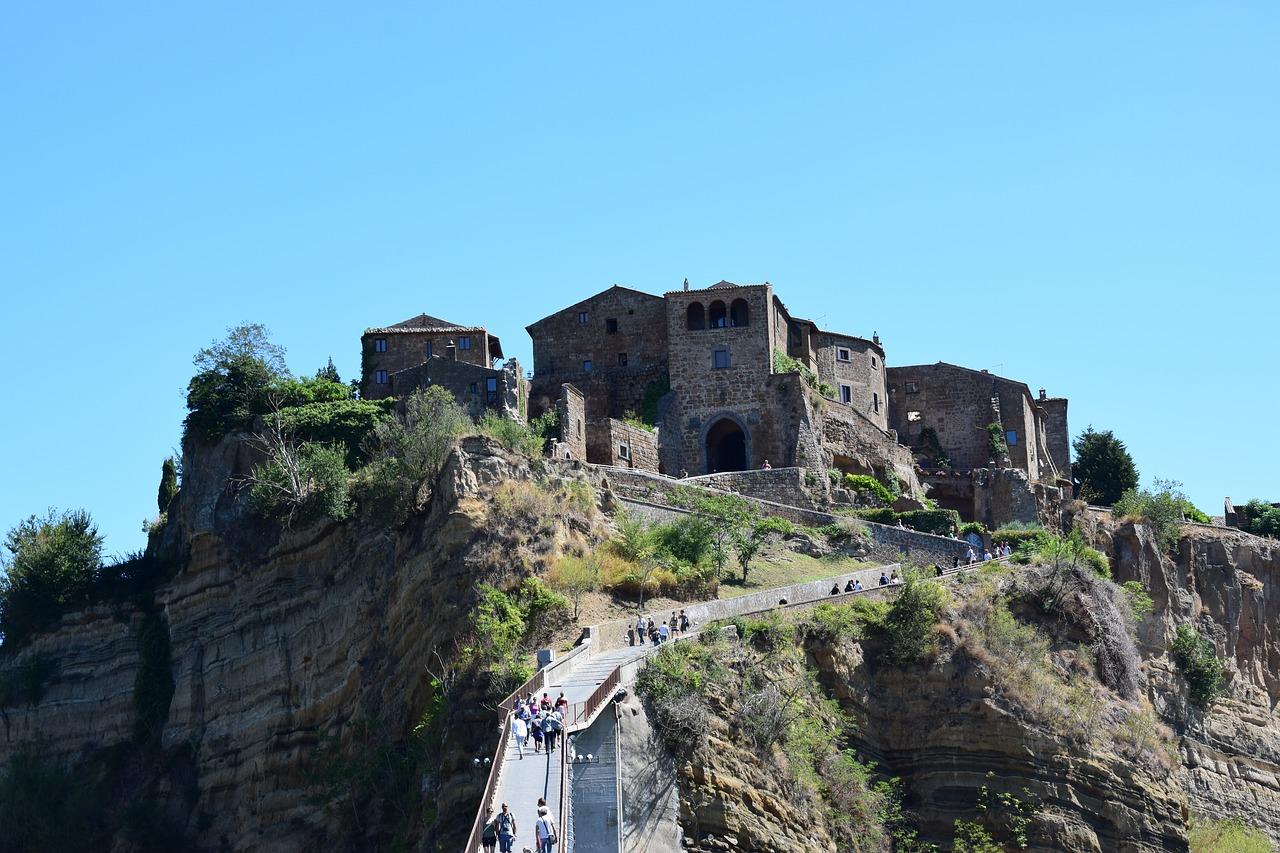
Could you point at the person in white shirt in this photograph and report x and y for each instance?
(520, 731)
(545, 830)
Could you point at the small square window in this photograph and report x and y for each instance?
(611, 326)
(464, 342)
(586, 366)
(379, 344)
(583, 318)
(491, 384)
(380, 377)
(1012, 437)
(473, 388)
(842, 354)
(622, 359)
(846, 394)
(911, 387)
(429, 349)
(623, 452)
(720, 358)
(913, 417)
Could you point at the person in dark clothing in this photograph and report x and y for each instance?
(835, 589)
(849, 586)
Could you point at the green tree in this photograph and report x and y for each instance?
(1163, 508)
(168, 483)
(1262, 519)
(329, 373)
(232, 379)
(751, 536)
(908, 624)
(53, 561)
(727, 515)
(1198, 660)
(575, 577)
(1103, 468)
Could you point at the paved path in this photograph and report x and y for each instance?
(522, 780)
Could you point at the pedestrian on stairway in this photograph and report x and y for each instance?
(520, 730)
(506, 822)
(562, 705)
(545, 830)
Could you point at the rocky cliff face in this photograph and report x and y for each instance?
(280, 639)
(1226, 584)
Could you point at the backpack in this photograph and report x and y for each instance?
(504, 822)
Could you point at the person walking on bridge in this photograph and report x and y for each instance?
(520, 731)
(545, 831)
(506, 823)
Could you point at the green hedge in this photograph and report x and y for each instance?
(880, 515)
(1016, 534)
(939, 522)
(341, 422)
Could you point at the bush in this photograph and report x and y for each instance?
(302, 483)
(153, 683)
(1161, 509)
(1198, 660)
(688, 538)
(232, 382)
(939, 522)
(864, 483)
(345, 423)
(513, 435)
(878, 515)
(653, 394)
(1261, 519)
(932, 447)
(575, 577)
(1140, 602)
(907, 628)
(1017, 533)
(53, 562)
(973, 527)
(831, 622)
(287, 391)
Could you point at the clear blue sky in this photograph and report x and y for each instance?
(1084, 197)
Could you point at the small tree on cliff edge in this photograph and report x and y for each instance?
(1103, 468)
(168, 483)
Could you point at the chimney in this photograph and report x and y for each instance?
(451, 350)
(1042, 394)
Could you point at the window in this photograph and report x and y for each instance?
(622, 359)
(695, 317)
(464, 342)
(842, 354)
(380, 377)
(913, 417)
(717, 316)
(583, 317)
(474, 389)
(429, 348)
(586, 366)
(875, 365)
(611, 326)
(720, 358)
(846, 394)
(911, 387)
(875, 403)
(739, 314)
(624, 452)
(491, 384)
(379, 344)
(579, 429)
(1012, 437)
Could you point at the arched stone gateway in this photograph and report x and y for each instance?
(726, 446)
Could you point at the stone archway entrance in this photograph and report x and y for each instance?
(726, 447)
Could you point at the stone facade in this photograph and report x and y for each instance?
(502, 390)
(1057, 437)
(391, 349)
(618, 443)
(612, 346)
(572, 413)
(959, 403)
(854, 367)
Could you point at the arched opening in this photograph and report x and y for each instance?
(696, 317)
(738, 313)
(717, 315)
(726, 447)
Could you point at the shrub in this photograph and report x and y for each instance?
(1228, 836)
(907, 627)
(831, 622)
(1103, 469)
(1140, 602)
(575, 577)
(513, 435)
(53, 562)
(345, 423)
(973, 527)
(287, 391)
(25, 684)
(168, 483)
(879, 515)
(1198, 660)
(864, 483)
(688, 538)
(783, 363)
(672, 683)
(939, 522)
(996, 444)
(1018, 532)
(301, 483)
(932, 447)
(1160, 508)
(232, 382)
(653, 394)
(1261, 519)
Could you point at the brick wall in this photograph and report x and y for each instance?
(621, 325)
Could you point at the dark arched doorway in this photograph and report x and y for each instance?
(726, 447)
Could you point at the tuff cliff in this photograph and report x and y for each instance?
(285, 649)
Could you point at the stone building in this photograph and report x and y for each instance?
(730, 399)
(424, 350)
(390, 349)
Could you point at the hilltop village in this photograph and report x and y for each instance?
(707, 381)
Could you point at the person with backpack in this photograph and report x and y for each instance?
(545, 831)
(551, 728)
(506, 823)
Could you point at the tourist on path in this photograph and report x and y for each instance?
(506, 822)
(663, 633)
(536, 728)
(684, 623)
(489, 836)
(545, 830)
(520, 729)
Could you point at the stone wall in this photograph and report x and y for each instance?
(624, 337)
(614, 442)
(862, 371)
(782, 485)
(1057, 436)
(855, 445)
(571, 411)
(406, 349)
(477, 389)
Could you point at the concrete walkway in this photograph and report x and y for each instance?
(521, 781)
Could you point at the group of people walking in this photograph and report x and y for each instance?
(855, 585)
(501, 830)
(971, 556)
(542, 720)
(657, 631)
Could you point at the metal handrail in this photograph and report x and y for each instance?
(490, 787)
